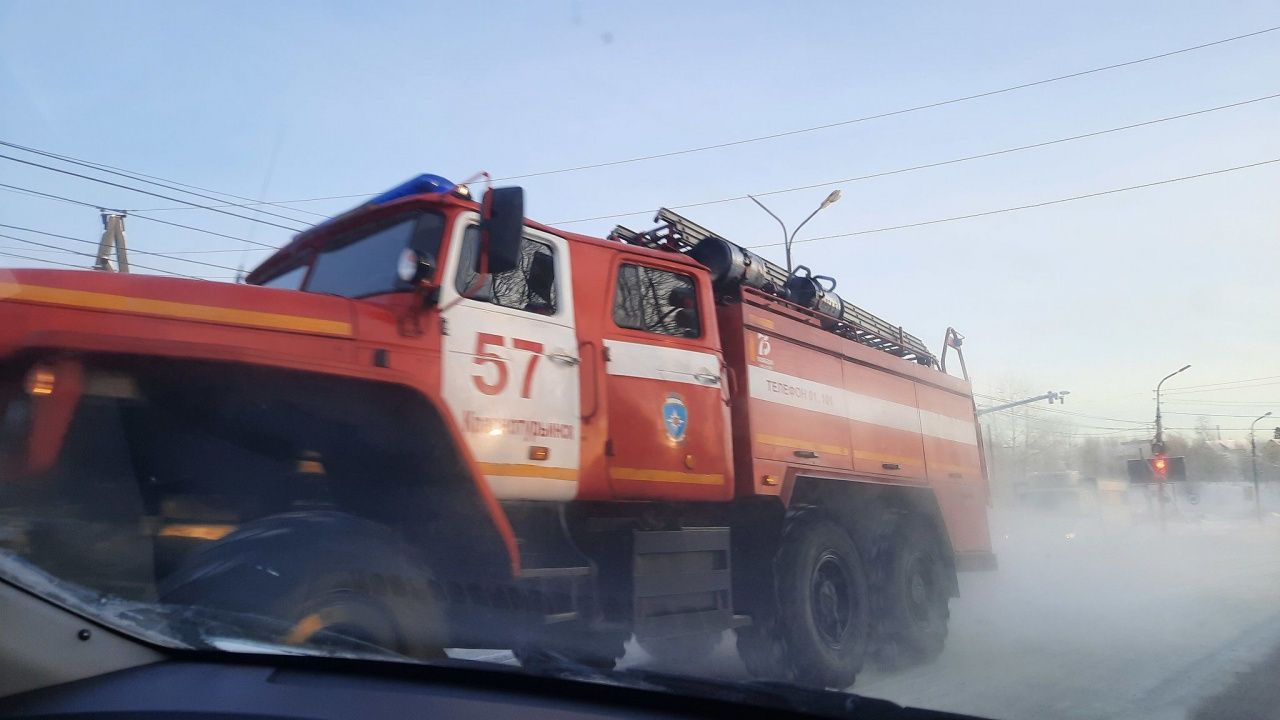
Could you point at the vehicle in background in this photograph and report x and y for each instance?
(1063, 491)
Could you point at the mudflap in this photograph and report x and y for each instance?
(682, 582)
(976, 561)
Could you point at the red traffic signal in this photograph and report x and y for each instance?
(1160, 467)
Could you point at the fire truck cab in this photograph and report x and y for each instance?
(525, 438)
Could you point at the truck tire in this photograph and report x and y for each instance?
(911, 599)
(681, 650)
(820, 630)
(325, 578)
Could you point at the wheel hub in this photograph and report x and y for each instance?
(919, 590)
(832, 603)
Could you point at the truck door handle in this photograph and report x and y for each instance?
(805, 454)
(564, 359)
(707, 378)
(891, 466)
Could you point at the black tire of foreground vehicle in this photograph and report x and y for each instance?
(681, 650)
(911, 601)
(819, 633)
(327, 575)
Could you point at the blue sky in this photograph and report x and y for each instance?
(288, 100)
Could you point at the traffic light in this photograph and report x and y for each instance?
(1160, 468)
(1278, 433)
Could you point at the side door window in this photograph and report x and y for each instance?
(532, 286)
(656, 301)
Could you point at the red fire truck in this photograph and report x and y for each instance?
(429, 422)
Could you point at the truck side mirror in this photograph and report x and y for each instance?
(501, 228)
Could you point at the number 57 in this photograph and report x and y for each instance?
(488, 357)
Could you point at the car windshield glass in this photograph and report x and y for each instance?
(366, 263)
(290, 280)
(919, 352)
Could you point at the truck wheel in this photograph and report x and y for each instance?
(326, 578)
(682, 650)
(819, 636)
(911, 599)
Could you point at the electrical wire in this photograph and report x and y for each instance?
(37, 193)
(91, 255)
(815, 128)
(1181, 392)
(1029, 206)
(926, 166)
(891, 113)
(131, 251)
(43, 260)
(153, 180)
(148, 192)
(1225, 382)
(1060, 411)
(135, 215)
(202, 230)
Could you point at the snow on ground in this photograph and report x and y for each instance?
(1097, 615)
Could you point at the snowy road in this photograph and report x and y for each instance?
(1115, 622)
(1092, 619)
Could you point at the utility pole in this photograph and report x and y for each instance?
(1253, 454)
(112, 239)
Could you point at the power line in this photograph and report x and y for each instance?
(1227, 403)
(926, 166)
(43, 260)
(1219, 384)
(148, 192)
(91, 255)
(149, 179)
(135, 215)
(1025, 207)
(29, 191)
(890, 113)
(1057, 411)
(202, 230)
(132, 252)
(1174, 412)
(815, 128)
(1180, 392)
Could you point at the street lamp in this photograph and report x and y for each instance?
(1159, 426)
(1253, 452)
(787, 239)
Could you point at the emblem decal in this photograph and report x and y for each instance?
(675, 418)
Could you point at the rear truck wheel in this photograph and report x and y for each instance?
(911, 599)
(681, 650)
(819, 629)
(325, 577)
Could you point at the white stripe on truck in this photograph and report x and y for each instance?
(775, 387)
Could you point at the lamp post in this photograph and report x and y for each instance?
(1253, 452)
(1159, 426)
(1157, 448)
(788, 238)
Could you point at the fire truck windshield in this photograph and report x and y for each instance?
(364, 263)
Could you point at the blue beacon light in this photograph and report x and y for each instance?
(422, 184)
